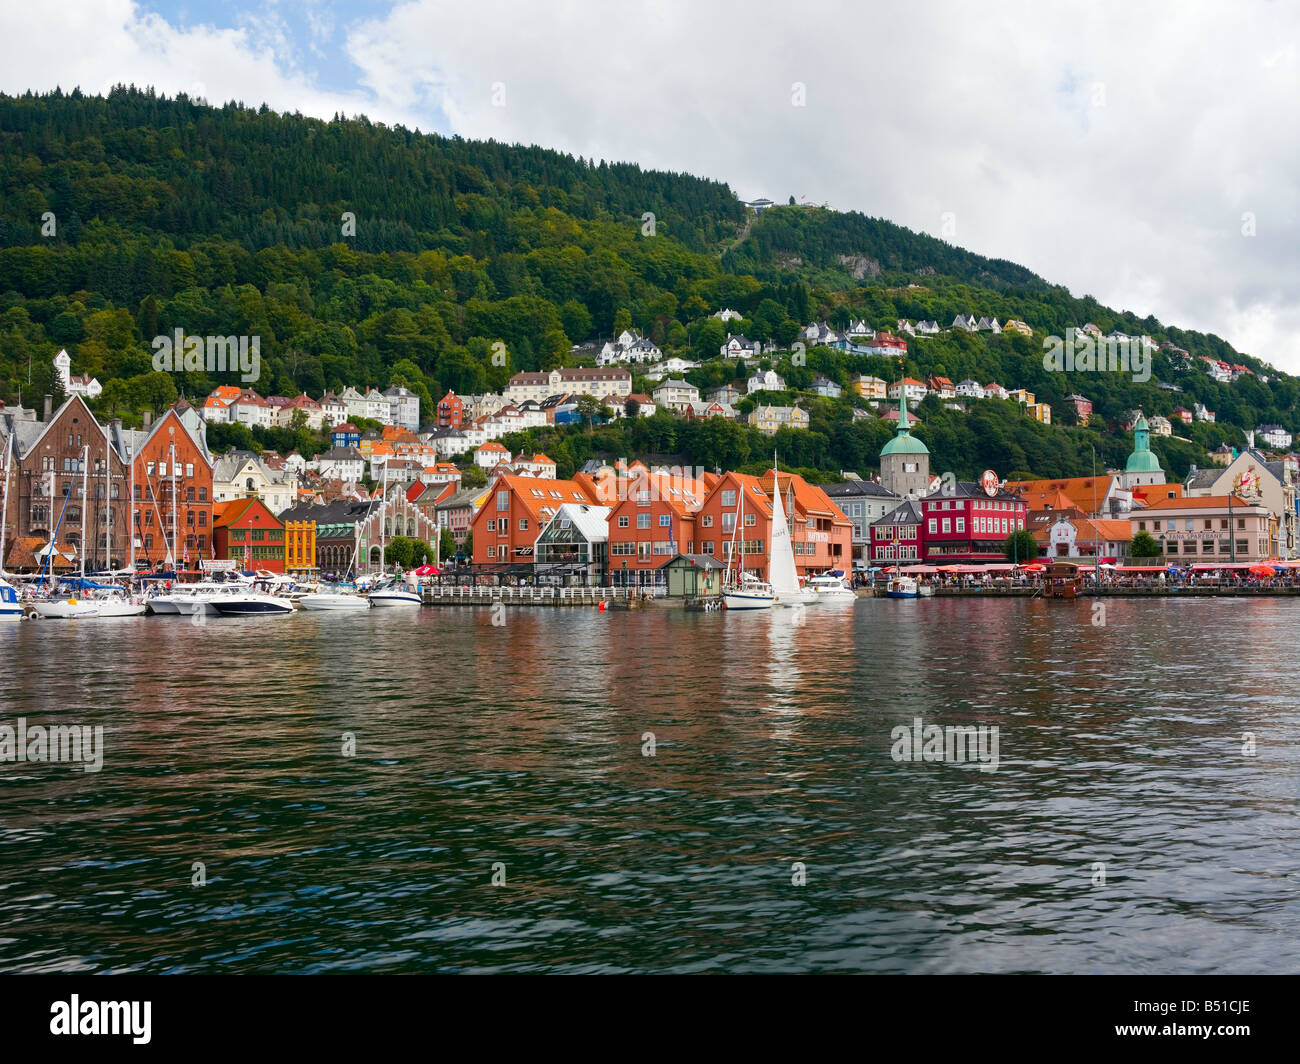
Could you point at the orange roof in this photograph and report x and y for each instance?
(212, 402)
(1084, 493)
(226, 392)
(534, 493)
(1192, 502)
(808, 498)
(1148, 493)
(491, 445)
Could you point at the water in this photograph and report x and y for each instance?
(521, 746)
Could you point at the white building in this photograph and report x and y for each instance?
(676, 395)
(403, 408)
(241, 474)
(765, 381)
(1274, 435)
(969, 389)
(490, 455)
(630, 348)
(343, 463)
(86, 386)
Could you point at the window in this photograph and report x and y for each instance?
(1171, 548)
(189, 469)
(523, 524)
(1208, 525)
(728, 522)
(947, 524)
(708, 521)
(750, 520)
(961, 524)
(1225, 546)
(623, 521)
(728, 499)
(622, 548)
(643, 498)
(1142, 526)
(1242, 546)
(706, 546)
(203, 519)
(1241, 524)
(492, 526)
(642, 520)
(503, 500)
(203, 494)
(1223, 524)
(492, 552)
(1207, 546)
(1155, 526)
(665, 520)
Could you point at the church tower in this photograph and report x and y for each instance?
(905, 460)
(1143, 466)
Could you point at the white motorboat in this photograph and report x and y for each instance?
(394, 594)
(830, 586)
(251, 604)
(10, 608)
(333, 600)
(750, 594)
(901, 587)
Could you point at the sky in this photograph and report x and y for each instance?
(1146, 154)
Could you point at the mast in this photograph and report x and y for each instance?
(85, 473)
(383, 514)
(130, 520)
(175, 544)
(108, 513)
(4, 498)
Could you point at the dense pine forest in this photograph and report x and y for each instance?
(367, 255)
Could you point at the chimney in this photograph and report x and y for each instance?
(49, 408)
(148, 419)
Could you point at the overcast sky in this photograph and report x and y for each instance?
(1123, 149)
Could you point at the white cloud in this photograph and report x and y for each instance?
(1108, 146)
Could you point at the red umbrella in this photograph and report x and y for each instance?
(1262, 570)
(427, 570)
(1034, 568)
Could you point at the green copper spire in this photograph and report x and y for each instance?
(1143, 459)
(903, 442)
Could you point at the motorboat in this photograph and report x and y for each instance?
(394, 594)
(830, 586)
(901, 587)
(750, 594)
(251, 604)
(10, 608)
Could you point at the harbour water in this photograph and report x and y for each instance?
(1144, 815)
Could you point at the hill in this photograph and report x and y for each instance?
(367, 255)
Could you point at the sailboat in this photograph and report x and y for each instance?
(746, 591)
(781, 572)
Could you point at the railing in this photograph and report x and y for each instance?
(523, 596)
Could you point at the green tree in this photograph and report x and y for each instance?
(1145, 546)
(1020, 546)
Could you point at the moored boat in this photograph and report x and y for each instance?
(10, 607)
(750, 594)
(333, 600)
(831, 587)
(901, 587)
(252, 604)
(394, 594)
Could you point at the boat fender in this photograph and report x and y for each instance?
(602, 606)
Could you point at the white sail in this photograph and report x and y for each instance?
(782, 574)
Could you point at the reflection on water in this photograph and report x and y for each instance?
(519, 747)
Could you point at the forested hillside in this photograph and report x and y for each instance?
(367, 255)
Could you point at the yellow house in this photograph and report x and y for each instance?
(1017, 326)
(1022, 396)
(770, 419)
(299, 546)
(1039, 412)
(870, 387)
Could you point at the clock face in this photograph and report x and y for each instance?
(989, 482)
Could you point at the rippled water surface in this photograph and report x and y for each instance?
(520, 747)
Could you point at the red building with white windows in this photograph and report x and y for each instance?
(967, 526)
(451, 411)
